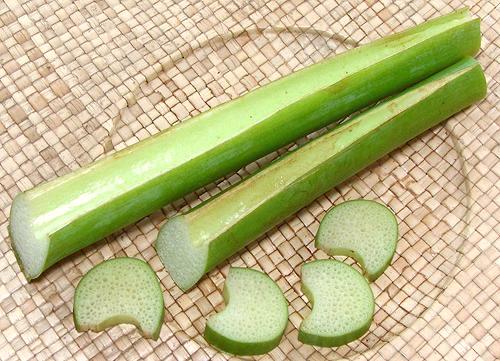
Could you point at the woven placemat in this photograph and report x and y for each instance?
(79, 79)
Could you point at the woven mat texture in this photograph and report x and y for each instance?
(80, 79)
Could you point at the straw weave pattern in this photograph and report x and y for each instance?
(81, 79)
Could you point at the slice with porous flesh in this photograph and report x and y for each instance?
(342, 304)
(364, 230)
(120, 290)
(255, 316)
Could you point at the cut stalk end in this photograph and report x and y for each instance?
(29, 248)
(184, 261)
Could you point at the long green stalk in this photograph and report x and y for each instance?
(190, 245)
(60, 217)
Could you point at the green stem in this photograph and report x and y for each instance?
(55, 219)
(192, 244)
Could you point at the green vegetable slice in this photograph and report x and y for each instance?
(342, 304)
(255, 316)
(60, 217)
(119, 290)
(192, 244)
(364, 230)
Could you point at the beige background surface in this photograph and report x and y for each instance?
(79, 79)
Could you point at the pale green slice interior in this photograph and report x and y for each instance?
(255, 316)
(119, 290)
(362, 229)
(342, 303)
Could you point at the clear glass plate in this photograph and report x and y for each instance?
(423, 183)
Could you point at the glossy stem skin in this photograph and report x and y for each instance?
(225, 224)
(78, 209)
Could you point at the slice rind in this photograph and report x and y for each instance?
(342, 304)
(362, 229)
(119, 290)
(255, 316)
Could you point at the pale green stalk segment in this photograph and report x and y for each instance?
(119, 290)
(255, 316)
(362, 229)
(342, 304)
(60, 217)
(190, 245)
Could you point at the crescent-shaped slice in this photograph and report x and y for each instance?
(255, 316)
(364, 230)
(342, 304)
(119, 290)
